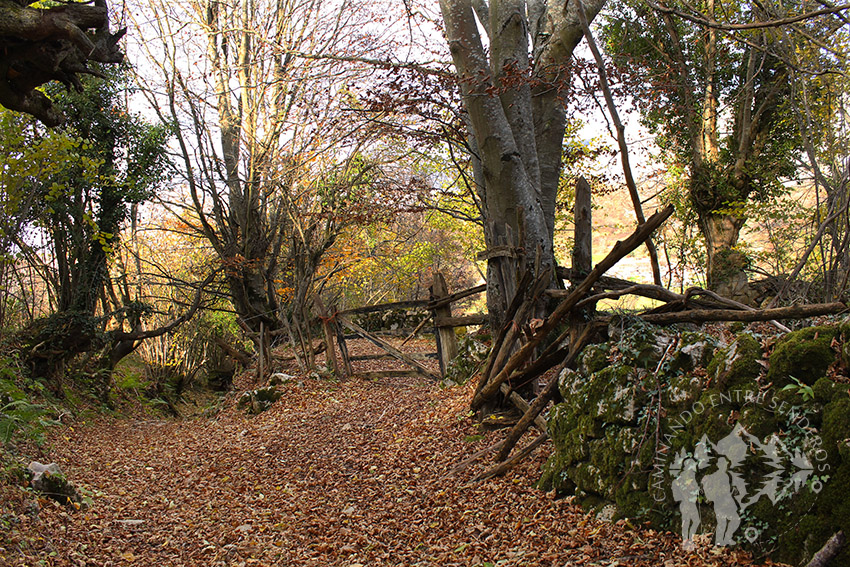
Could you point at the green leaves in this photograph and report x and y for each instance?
(803, 390)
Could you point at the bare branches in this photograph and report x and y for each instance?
(710, 22)
(621, 141)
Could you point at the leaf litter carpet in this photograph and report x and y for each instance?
(350, 474)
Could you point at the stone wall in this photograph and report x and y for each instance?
(661, 424)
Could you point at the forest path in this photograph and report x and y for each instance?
(346, 474)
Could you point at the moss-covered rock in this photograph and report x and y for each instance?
(737, 365)
(805, 354)
(259, 400)
(639, 345)
(681, 391)
(826, 389)
(554, 476)
(603, 456)
(50, 481)
(593, 359)
(471, 354)
(617, 394)
(695, 350)
(759, 421)
(835, 429)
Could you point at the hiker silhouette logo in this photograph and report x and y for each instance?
(719, 480)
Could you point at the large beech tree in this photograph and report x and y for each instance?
(513, 82)
(44, 44)
(271, 157)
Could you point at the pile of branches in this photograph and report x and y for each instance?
(527, 348)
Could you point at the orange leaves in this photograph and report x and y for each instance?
(333, 474)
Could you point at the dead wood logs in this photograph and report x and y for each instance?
(239, 355)
(777, 313)
(384, 356)
(456, 296)
(513, 326)
(542, 400)
(522, 405)
(416, 330)
(412, 304)
(620, 250)
(516, 302)
(474, 457)
(832, 547)
(442, 322)
(504, 467)
(732, 303)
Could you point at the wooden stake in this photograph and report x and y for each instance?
(542, 400)
(502, 468)
(343, 349)
(446, 337)
(620, 250)
(328, 334)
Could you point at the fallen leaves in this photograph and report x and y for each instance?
(344, 474)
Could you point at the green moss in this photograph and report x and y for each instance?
(593, 359)
(599, 457)
(736, 366)
(642, 345)
(471, 355)
(811, 519)
(825, 389)
(634, 503)
(554, 476)
(588, 477)
(681, 391)
(574, 446)
(616, 394)
(844, 332)
(805, 354)
(695, 350)
(570, 383)
(562, 420)
(759, 421)
(835, 430)
(259, 400)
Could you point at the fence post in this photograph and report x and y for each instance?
(446, 337)
(582, 258)
(327, 331)
(343, 348)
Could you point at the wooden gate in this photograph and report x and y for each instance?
(439, 308)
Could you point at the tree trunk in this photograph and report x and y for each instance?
(725, 270)
(50, 44)
(516, 118)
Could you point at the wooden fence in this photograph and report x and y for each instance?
(442, 324)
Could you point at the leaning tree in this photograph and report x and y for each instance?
(53, 43)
